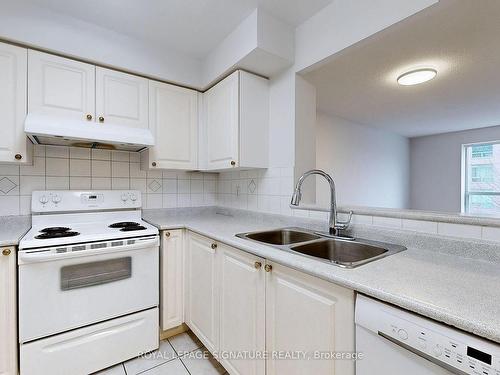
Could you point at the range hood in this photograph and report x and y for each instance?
(58, 131)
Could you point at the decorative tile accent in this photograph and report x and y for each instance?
(7, 185)
(252, 187)
(154, 186)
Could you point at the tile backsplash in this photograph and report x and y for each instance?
(63, 168)
(264, 190)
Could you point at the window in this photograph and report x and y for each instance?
(482, 151)
(482, 173)
(481, 179)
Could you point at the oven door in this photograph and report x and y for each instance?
(60, 292)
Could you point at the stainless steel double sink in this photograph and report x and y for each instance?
(348, 252)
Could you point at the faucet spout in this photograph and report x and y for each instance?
(333, 223)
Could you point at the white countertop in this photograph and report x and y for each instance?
(459, 291)
(13, 228)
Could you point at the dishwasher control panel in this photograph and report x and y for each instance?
(443, 345)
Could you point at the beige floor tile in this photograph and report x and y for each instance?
(185, 342)
(174, 367)
(164, 354)
(201, 362)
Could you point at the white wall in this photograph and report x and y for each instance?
(345, 22)
(370, 166)
(435, 166)
(39, 27)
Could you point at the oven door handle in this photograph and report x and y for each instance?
(25, 257)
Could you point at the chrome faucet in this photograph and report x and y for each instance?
(335, 225)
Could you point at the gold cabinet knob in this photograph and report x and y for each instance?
(89, 117)
(153, 164)
(214, 246)
(257, 265)
(268, 268)
(18, 156)
(233, 163)
(101, 119)
(167, 234)
(6, 252)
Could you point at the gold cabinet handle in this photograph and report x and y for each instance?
(167, 234)
(214, 246)
(153, 164)
(18, 156)
(257, 265)
(89, 117)
(6, 252)
(233, 163)
(101, 119)
(268, 268)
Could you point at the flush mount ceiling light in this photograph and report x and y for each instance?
(414, 77)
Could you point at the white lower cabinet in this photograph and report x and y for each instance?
(239, 304)
(202, 295)
(8, 312)
(307, 315)
(171, 279)
(242, 310)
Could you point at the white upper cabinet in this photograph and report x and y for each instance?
(221, 110)
(121, 98)
(173, 120)
(13, 141)
(61, 87)
(236, 121)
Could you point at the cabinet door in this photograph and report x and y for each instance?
(121, 98)
(172, 279)
(8, 320)
(307, 315)
(13, 67)
(173, 120)
(222, 123)
(242, 309)
(59, 86)
(202, 298)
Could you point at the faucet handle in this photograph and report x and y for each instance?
(345, 224)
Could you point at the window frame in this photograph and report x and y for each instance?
(464, 193)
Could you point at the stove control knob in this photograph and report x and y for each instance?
(437, 350)
(133, 197)
(43, 199)
(124, 197)
(56, 199)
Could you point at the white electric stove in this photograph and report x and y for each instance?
(88, 282)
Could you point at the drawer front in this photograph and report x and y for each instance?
(89, 349)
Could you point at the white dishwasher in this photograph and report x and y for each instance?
(395, 342)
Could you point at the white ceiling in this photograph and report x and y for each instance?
(461, 39)
(193, 27)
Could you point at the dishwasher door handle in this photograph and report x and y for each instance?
(422, 354)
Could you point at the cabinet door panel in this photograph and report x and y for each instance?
(202, 314)
(174, 123)
(13, 67)
(242, 311)
(172, 279)
(222, 122)
(59, 86)
(8, 315)
(121, 98)
(309, 315)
